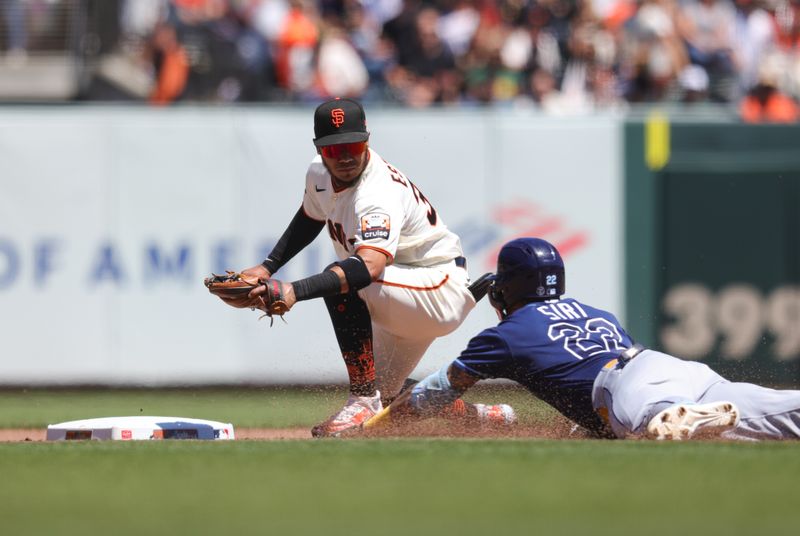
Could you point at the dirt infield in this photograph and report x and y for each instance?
(420, 430)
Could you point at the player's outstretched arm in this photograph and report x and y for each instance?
(353, 273)
(426, 399)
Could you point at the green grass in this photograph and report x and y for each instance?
(399, 487)
(382, 486)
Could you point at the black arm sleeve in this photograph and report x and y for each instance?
(301, 231)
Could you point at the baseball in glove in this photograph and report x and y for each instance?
(234, 289)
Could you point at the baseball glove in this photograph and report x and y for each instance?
(234, 288)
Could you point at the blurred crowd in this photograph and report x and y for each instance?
(562, 56)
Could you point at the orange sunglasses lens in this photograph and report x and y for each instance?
(335, 151)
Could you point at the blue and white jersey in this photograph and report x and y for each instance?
(555, 349)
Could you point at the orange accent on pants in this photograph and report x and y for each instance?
(399, 285)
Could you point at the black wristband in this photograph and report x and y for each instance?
(317, 286)
(356, 272)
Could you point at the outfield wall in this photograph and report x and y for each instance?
(111, 217)
(713, 244)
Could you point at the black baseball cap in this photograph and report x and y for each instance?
(339, 121)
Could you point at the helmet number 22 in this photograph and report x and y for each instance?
(596, 336)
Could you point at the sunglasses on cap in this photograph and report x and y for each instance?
(335, 151)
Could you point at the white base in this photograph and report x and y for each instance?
(140, 428)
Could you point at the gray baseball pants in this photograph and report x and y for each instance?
(651, 382)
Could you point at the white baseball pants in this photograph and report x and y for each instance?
(410, 307)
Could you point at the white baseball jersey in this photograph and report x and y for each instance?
(384, 212)
(422, 294)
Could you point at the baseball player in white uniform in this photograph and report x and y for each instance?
(401, 279)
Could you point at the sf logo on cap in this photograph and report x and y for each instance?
(337, 117)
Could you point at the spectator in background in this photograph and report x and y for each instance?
(365, 32)
(297, 41)
(426, 72)
(240, 58)
(382, 11)
(138, 18)
(693, 83)
(401, 33)
(514, 56)
(540, 91)
(505, 50)
(765, 103)
(615, 13)
(194, 12)
(267, 17)
(560, 16)
(170, 64)
(340, 69)
(787, 38)
(705, 26)
(587, 75)
(564, 56)
(433, 64)
(254, 57)
(652, 53)
(534, 39)
(487, 77)
(753, 35)
(525, 44)
(545, 52)
(458, 24)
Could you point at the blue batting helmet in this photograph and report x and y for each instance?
(528, 269)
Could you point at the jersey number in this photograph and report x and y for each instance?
(397, 176)
(596, 336)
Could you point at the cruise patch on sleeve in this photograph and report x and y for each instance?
(375, 225)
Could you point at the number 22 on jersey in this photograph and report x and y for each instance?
(582, 336)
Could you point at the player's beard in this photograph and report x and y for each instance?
(342, 184)
(339, 185)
